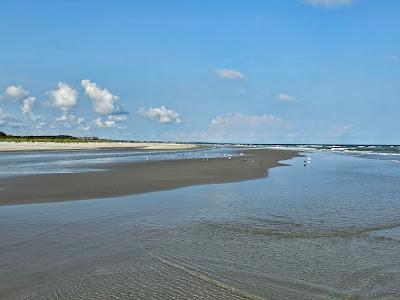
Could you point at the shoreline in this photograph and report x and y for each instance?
(123, 179)
(56, 146)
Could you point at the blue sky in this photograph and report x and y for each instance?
(293, 71)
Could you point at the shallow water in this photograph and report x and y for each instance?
(327, 230)
(25, 162)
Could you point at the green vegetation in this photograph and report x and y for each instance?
(50, 138)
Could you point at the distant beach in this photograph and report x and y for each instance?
(48, 146)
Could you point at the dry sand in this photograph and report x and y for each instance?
(121, 179)
(31, 146)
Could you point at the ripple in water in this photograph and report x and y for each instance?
(329, 230)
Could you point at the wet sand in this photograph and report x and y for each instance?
(120, 179)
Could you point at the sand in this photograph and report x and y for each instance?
(120, 179)
(32, 146)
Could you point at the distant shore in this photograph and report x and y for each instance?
(121, 179)
(50, 146)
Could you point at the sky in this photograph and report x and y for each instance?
(276, 71)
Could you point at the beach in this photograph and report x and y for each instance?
(49, 146)
(120, 179)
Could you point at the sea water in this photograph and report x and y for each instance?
(330, 229)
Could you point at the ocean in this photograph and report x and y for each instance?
(327, 226)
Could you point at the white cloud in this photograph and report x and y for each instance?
(64, 97)
(15, 92)
(111, 121)
(229, 74)
(80, 120)
(245, 128)
(107, 123)
(39, 121)
(63, 118)
(239, 119)
(328, 3)
(117, 118)
(285, 98)
(339, 131)
(71, 120)
(84, 127)
(27, 105)
(161, 114)
(395, 58)
(3, 116)
(104, 102)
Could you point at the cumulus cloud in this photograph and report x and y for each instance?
(33, 121)
(38, 121)
(26, 109)
(64, 97)
(230, 74)
(328, 3)
(63, 118)
(285, 98)
(27, 105)
(104, 102)
(70, 120)
(160, 114)
(15, 92)
(110, 121)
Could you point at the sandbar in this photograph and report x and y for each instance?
(121, 179)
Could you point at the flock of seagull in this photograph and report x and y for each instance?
(226, 155)
(203, 157)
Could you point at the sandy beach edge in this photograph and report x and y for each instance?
(55, 146)
(122, 179)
